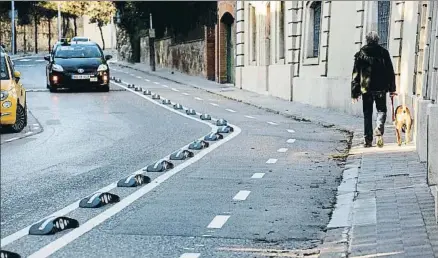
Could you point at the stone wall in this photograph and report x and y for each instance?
(187, 57)
(124, 49)
(25, 35)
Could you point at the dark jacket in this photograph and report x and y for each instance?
(373, 71)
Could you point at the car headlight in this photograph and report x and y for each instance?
(57, 68)
(102, 68)
(7, 104)
(4, 95)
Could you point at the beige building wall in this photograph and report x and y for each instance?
(324, 79)
(91, 30)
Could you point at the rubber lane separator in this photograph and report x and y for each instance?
(24, 232)
(69, 237)
(100, 218)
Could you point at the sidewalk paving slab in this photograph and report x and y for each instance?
(384, 205)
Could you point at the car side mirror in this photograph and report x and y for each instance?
(17, 75)
(47, 58)
(108, 57)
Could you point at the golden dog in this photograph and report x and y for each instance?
(403, 123)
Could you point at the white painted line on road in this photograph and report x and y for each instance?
(185, 93)
(272, 123)
(271, 161)
(35, 124)
(138, 77)
(147, 80)
(218, 221)
(156, 82)
(165, 86)
(250, 117)
(24, 60)
(100, 218)
(291, 131)
(214, 104)
(131, 74)
(190, 255)
(198, 98)
(258, 175)
(12, 139)
(230, 110)
(39, 60)
(241, 195)
(291, 141)
(282, 150)
(28, 133)
(175, 89)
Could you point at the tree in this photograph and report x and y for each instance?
(75, 9)
(101, 13)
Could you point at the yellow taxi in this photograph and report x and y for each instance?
(13, 108)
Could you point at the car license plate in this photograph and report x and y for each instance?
(93, 79)
(80, 77)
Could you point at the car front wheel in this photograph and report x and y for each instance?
(21, 120)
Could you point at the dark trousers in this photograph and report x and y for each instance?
(368, 100)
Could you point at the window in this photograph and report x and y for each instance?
(4, 72)
(383, 15)
(316, 24)
(253, 32)
(281, 31)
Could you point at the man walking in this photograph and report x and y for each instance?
(373, 77)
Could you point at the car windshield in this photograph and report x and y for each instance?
(4, 73)
(80, 39)
(78, 51)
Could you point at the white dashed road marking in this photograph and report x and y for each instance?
(218, 221)
(258, 175)
(250, 117)
(198, 98)
(147, 80)
(282, 150)
(271, 161)
(241, 195)
(291, 141)
(35, 124)
(24, 60)
(230, 110)
(28, 133)
(291, 131)
(39, 60)
(214, 104)
(272, 123)
(175, 89)
(190, 255)
(131, 74)
(156, 82)
(185, 93)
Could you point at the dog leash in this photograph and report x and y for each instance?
(392, 106)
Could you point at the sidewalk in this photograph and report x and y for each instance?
(384, 205)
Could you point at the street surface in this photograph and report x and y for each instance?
(266, 189)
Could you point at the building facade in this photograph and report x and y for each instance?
(303, 51)
(225, 42)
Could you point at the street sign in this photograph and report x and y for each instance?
(151, 33)
(15, 14)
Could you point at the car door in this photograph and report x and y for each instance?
(18, 85)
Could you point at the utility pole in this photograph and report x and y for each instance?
(152, 44)
(111, 33)
(59, 22)
(13, 27)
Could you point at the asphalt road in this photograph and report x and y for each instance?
(268, 186)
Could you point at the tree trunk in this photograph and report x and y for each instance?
(36, 33)
(49, 20)
(101, 35)
(24, 39)
(76, 26)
